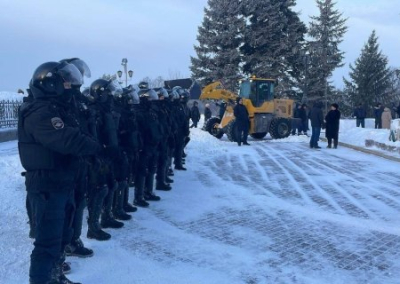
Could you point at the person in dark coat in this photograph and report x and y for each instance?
(317, 119)
(378, 110)
(50, 144)
(194, 115)
(242, 122)
(332, 126)
(360, 114)
(222, 108)
(304, 118)
(207, 112)
(297, 122)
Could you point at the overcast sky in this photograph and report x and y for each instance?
(156, 36)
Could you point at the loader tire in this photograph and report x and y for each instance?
(231, 130)
(260, 135)
(212, 127)
(280, 128)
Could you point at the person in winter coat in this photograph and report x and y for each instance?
(378, 110)
(359, 113)
(297, 122)
(386, 118)
(398, 111)
(316, 117)
(332, 126)
(207, 112)
(242, 122)
(50, 144)
(304, 119)
(194, 115)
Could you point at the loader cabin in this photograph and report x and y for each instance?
(257, 90)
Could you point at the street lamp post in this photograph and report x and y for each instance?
(124, 63)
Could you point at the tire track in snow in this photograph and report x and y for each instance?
(346, 201)
(312, 193)
(379, 196)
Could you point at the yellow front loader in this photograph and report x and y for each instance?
(266, 114)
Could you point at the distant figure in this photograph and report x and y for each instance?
(242, 122)
(222, 108)
(360, 114)
(304, 119)
(207, 112)
(332, 126)
(386, 118)
(297, 122)
(194, 114)
(317, 119)
(398, 111)
(378, 110)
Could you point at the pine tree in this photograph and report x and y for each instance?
(370, 76)
(326, 32)
(271, 39)
(219, 37)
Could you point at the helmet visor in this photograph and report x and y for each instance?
(115, 88)
(71, 74)
(82, 66)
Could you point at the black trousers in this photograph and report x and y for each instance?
(242, 131)
(52, 213)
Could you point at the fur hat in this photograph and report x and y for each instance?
(335, 106)
(238, 99)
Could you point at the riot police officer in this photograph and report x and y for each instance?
(103, 92)
(151, 132)
(182, 120)
(49, 143)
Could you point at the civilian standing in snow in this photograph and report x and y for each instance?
(398, 111)
(304, 119)
(50, 142)
(360, 114)
(297, 121)
(332, 126)
(207, 112)
(317, 119)
(195, 115)
(386, 118)
(242, 122)
(378, 110)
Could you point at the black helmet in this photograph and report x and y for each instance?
(183, 94)
(81, 65)
(101, 89)
(51, 79)
(148, 94)
(86, 93)
(143, 85)
(161, 92)
(174, 95)
(131, 96)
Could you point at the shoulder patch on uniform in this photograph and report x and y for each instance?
(57, 123)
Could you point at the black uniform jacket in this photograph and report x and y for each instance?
(50, 143)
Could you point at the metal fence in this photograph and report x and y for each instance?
(9, 113)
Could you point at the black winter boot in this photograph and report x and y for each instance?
(94, 229)
(107, 218)
(148, 191)
(161, 184)
(118, 210)
(58, 277)
(128, 207)
(77, 248)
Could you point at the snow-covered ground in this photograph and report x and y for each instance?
(273, 212)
